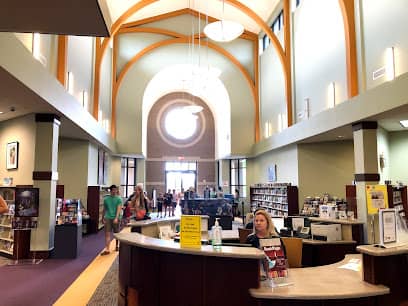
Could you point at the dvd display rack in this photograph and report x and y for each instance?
(6, 230)
(397, 198)
(279, 199)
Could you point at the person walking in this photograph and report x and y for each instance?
(112, 208)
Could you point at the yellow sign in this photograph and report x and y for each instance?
(377, 198)
(190, 231)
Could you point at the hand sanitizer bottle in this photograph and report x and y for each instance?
(216, 235)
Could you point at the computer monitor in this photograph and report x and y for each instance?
(278, 222)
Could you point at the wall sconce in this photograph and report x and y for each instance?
(36, 45)
(306, 105)
(70, 83)
(382, 161)
(85, 99)
(389, 64)
(331, 95)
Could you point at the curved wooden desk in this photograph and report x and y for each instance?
(387, 266)
(324, 285)
(160, 272)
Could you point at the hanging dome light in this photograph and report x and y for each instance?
(223, 30)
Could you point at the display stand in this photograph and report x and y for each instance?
(19, 252)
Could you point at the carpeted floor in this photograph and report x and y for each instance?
(107, 292)
(42, 284)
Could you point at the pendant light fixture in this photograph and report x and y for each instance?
(223, 30)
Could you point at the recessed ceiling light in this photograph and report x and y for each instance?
(1, 112)
(404, 123)
(340, 136)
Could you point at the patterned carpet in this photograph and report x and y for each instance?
(107, 292)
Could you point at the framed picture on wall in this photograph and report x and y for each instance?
(272, 173)
(12, 155)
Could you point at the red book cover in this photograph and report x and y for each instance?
(275, 261)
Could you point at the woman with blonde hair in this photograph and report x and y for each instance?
(263, 228)
(138, 203)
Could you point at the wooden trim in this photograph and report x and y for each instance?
(365, 125)
(42, 175)
(367, 177)
(52, 118)
(347, 10)
(160, 44)
(97, 77)
(151, 30)
(245, 35)
(62, 59)
(288, 60)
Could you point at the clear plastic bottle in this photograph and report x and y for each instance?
(216, 235)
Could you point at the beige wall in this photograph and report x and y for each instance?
(80, 63)
(273, 98)
(73, 168)
(325, 167)
(115, 170)
(92, 165)
(130, 95)
(319, 51)
(23, 130)
(384, 26)
(399, 157)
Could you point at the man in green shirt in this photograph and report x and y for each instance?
(112, 209)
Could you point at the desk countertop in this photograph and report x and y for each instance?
(323, 282)
(143, 241)
(141, 223)
(377, 251)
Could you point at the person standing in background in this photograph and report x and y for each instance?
(3, 206)
(112, 208)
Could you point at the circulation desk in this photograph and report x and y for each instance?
(160, 272)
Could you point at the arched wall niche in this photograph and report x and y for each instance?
(162, 147)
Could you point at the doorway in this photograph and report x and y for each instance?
(181, 175)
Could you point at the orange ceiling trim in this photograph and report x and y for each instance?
(158, 17)
(62, 59)
(246, 35)
(184, 40)
(97, 77)
(347, 10)
(288, 61)
(151, 30)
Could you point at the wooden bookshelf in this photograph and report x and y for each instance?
(279, 199)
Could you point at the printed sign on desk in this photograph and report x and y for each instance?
(377, 198)
(190, 231)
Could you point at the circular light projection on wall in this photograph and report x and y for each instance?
(180, 123)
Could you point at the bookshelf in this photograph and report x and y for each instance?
(95, 207)
(279, 199)
(397, 198)
(6, 231)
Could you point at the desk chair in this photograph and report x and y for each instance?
(243, 234)
(293, 248)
